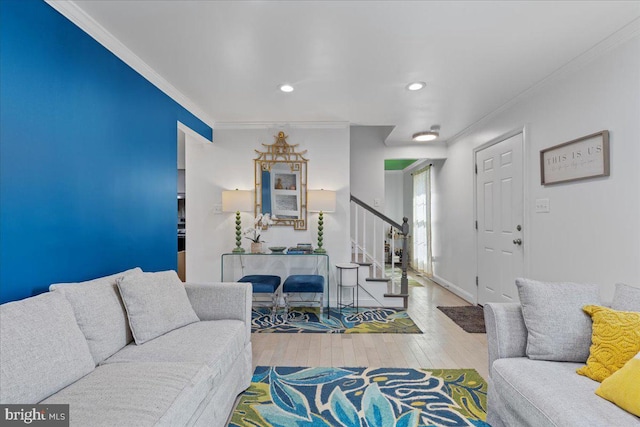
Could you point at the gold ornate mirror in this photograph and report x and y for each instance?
(281, 183)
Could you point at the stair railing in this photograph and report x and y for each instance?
(374, 228)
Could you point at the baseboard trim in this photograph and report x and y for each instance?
(454, 288)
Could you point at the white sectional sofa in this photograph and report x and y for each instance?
(526, 390)
(74, 345)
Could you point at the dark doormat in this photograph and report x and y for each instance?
(468, 317)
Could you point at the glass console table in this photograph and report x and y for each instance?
(236, 265)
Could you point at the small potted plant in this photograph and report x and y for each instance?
(261, 222)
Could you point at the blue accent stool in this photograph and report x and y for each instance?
(262, 283)
(265, 284)
(301, 283)
(304, 283)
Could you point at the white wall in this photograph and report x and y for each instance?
(367, 163)
(228, 162)
(592, 233)
(199, 201)
(394, 195)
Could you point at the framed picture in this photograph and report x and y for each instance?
(286, 206)
(286, 181)
(582, 158)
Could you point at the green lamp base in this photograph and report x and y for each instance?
(320, 249)
(238, 249)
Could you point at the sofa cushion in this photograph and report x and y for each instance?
(615, 340)
(623, 387)
(626, 298)
(99, 312)
(156, 303)
(41, 348)
(137, 394)
(557, 328)
(216, 343)
(551, 394)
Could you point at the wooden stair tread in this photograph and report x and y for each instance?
(397, 295)
(377, 279)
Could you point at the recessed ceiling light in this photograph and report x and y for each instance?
(429, 135)
(416, 86)
(286, 88)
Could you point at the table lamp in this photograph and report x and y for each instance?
(321, 201)
(237, 201)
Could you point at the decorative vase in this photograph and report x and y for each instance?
(256, 247)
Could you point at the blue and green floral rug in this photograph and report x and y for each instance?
(349, 321)
(362, 397)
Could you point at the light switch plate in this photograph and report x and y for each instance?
(217, 209)
(376, 203)
(542, 206)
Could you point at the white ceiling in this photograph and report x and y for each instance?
(351, 60)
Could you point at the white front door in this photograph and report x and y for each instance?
(499, 208)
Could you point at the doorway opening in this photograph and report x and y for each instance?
(408, 194)
(182, 202)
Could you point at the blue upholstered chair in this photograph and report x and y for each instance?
(265, 284)
(301, 283)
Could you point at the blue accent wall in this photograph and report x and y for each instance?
(87, 157)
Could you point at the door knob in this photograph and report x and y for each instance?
(517, 241)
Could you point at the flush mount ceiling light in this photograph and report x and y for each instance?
(286, 88)
(416, 86)
(429, 135)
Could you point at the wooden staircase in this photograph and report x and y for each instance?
(369, 227)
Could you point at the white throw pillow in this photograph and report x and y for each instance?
(557, 327)
(626, 298)
(156, 303)
(99, 312)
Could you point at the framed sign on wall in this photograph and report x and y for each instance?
(582, 158)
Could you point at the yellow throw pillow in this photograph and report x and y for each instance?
(615, 339)
(623, 387)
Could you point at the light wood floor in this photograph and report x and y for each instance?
(443, 344)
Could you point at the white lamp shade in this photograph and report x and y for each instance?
(237, 200)
(321, 201)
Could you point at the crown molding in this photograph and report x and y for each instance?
(626, 33)
(278, 125)
(419, 164)
(86, 23)
(186, 130)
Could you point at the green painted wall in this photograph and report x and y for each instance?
(397, 164)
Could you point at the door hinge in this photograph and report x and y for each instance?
(476, 169)
(476, 224)
(477, 281)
